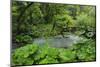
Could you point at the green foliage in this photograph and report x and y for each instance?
(85, 51)
(37, 20)
(67, 55)
(46, 51)
(33, 54)
(48, 60)
(23, 39)
(85, 20)
(22, 55)
(42, 30)
(63, 20)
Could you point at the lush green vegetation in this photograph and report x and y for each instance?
(33, 54)
(32, 20)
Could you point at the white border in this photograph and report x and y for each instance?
(5, 33)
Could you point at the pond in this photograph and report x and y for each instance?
(58, 41)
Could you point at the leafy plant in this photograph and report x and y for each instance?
(86, 51)
(48, 60)
(67, 55)
(22, 55)
(42, 20)
(34, 54)
(23, 39)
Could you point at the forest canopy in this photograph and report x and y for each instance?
(28, 17)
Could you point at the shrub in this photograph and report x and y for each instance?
(86, 51)
(67, 55)
(85, 20)
(35, 54)
(23, 39)
(22, 56)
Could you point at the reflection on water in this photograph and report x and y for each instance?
(58, 41)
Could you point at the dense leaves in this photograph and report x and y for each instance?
(22, 55)
(33, 54)
(47, 19)
(23, 39)
(31, 20)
